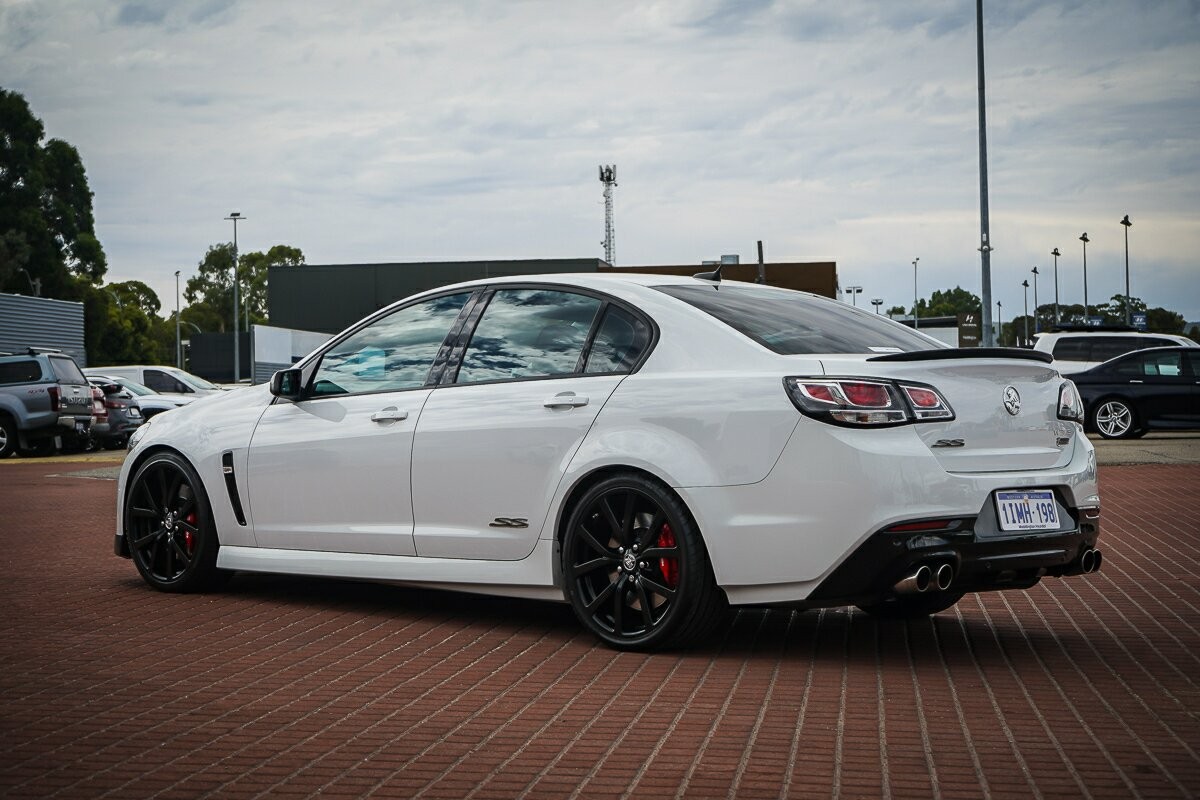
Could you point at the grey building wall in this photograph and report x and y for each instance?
(331, 297)
(42, 322)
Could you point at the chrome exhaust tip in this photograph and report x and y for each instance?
(917, 582)
(1099, 560)
(945, 576)
(1087, 561)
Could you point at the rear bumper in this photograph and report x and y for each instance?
(980, 558)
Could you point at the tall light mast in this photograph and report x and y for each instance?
(608, 176)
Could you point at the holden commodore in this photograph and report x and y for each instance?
(649, 449)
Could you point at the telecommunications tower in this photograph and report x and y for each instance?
(608, 176)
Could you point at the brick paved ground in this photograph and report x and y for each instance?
(286, 687)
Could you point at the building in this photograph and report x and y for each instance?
(330, 297)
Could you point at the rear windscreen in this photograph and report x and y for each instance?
(66, 371)
(791, 323)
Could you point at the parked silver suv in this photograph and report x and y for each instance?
(43, 394)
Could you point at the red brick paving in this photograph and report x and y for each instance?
(290, 687)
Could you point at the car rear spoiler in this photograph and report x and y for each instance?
(967, 352)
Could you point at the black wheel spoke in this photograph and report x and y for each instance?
(141, 541)
(600, 598)
(592, 566)
(186, 506)
(644, 602)
(650, 534)
(144, 512)
(613, 522)
(180, 552)
(657, 587)
(661, 552)
(155, 508)
(619, 606)
(189, 527)
(593, 542)
(627, 520)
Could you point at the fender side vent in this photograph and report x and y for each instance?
(235, 500)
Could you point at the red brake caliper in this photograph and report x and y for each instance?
(189, 540)
(669, 567)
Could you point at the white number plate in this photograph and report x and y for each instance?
(1027, 511)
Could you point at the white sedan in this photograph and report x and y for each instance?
(650, 449)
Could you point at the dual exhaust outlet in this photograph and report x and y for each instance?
(1090, 561)
(926, 578)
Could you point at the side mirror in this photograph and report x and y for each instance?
(286, 383)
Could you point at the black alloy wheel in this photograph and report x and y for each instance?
(635, 568)
(169, 527)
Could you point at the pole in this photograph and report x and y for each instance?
(1035, 304)
(1025, 283)
(999, 323)
(762, 270)
(915, 260)
(1056, 254)
(178, 340)
(236, 216)
(1086, 313)
(1128, 310)
(985, 247)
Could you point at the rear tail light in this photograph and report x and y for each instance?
(867, 402)
(1070, 405)
(55, 398)
(110, 403)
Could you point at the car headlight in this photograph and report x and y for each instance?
(137, 435)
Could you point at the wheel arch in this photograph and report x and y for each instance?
(136, 464)
(591, 478)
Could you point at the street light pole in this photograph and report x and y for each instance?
(1025, 283)
(235, 216)
(1056, 254)
(999, 323)
(1086, 313)
(1035, 305)
(1128, 310)
(178, 340)
(877, 302)
(854, 291)
(915, 260)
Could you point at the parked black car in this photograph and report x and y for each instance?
(1155, 389)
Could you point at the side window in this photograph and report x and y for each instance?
(1194, 362)
(1072, 349)
(619, 342)
(24, 371)
(1168, 365)
(1112, 346)
(528, 333)
(390, 354)
(160, 381)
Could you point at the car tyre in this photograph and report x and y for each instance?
(8, 437)
(635, 568)
(169, 527)
(1115, 419)
(39, 448)
(913, 606)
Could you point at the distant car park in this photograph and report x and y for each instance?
(1076, 351)
(161, 379)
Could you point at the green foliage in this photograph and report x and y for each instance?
(210, 292)
(46, 223)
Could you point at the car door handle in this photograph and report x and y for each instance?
(389, 415)
(1137, 381)
(566, 400)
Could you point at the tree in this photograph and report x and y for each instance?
(47, 231)
(210, 292)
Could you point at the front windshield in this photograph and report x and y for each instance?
(135, 387)
(197, 382)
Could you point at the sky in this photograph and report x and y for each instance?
(376, 131)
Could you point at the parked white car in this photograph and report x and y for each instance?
(645, 447)
(1076, 351)
(162, 379)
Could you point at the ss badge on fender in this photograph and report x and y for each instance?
(509, 522)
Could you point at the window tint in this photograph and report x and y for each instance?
(528, 333)
(25, 371)
(792, 323)
(1194, 362)
(160, 381)
(1163, 364)
(392, 353)
(66, 370)
(1108, 347)
(619, 342)
(1073, 349)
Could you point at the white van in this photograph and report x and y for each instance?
(1075, 351)
(164, 380)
